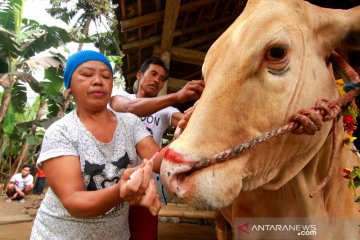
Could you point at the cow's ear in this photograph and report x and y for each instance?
(335, 27)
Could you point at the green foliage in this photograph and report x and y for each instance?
(11, 15)
(100, 12)
(18, 97)
(354, 177)
(20, 41)
(9, 123)
(52, 83)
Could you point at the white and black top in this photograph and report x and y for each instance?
(102, 165)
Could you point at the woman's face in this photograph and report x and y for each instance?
(91, 85)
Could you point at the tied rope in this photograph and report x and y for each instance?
(306, 121)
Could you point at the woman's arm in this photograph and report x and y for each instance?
(64, 177)
(146, 148)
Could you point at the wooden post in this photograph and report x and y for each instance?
(171, 14)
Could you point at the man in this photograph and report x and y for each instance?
(20, 185)
(157, 113)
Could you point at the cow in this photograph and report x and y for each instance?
(273, 61)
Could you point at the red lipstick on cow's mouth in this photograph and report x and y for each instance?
(175, 157)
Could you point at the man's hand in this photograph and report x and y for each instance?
(191, 91)
(137, 187)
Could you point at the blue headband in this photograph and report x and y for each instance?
(79, 58)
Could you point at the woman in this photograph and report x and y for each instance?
(88, 157)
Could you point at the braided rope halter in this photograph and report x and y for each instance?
(306, 121)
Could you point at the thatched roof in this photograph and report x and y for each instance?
(180, 32)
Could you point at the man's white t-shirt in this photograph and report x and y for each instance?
(156, 123)
(20, 182)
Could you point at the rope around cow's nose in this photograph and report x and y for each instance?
(306, 121)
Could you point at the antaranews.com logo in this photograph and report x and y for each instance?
(297, 229)
(291, 228)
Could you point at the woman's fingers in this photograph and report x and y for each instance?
(148, 171)
(156, 206)
(150, 192)
(131, 186)
(135, 180)
(137, 188)
(151, 199)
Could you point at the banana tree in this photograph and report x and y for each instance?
(20, 40)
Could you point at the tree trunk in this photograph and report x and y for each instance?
(85, 31)
(65, 104)
(7, 82)
(25, 147)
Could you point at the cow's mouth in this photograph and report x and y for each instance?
(178, 171)
(188, 179)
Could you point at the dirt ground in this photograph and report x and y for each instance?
(16, 222)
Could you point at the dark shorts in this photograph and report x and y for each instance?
(143, 225)
(11, 193)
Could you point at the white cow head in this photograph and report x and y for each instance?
(270, 63)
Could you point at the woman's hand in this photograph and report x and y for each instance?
(137, 187)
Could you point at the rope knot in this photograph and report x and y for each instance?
(309, 121)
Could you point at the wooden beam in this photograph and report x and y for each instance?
(151, 18)
(184, 211)
(143, 43)
(175, 84)
(140, 21)
(123, 9)
(183, 55)
(202, 39)
(171, 15)
(147, 42)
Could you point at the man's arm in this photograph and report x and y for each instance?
(142, 106)
(146, 106)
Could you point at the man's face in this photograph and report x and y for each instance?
(25, 172)
(152, 80)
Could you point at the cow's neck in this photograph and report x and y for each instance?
(326, 202)
(292, 200)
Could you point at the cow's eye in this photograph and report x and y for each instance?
(276, 53)
(276, 59)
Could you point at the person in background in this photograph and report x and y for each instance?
(157, 114)
(39, 183)
(89, 159)
(20, 185)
